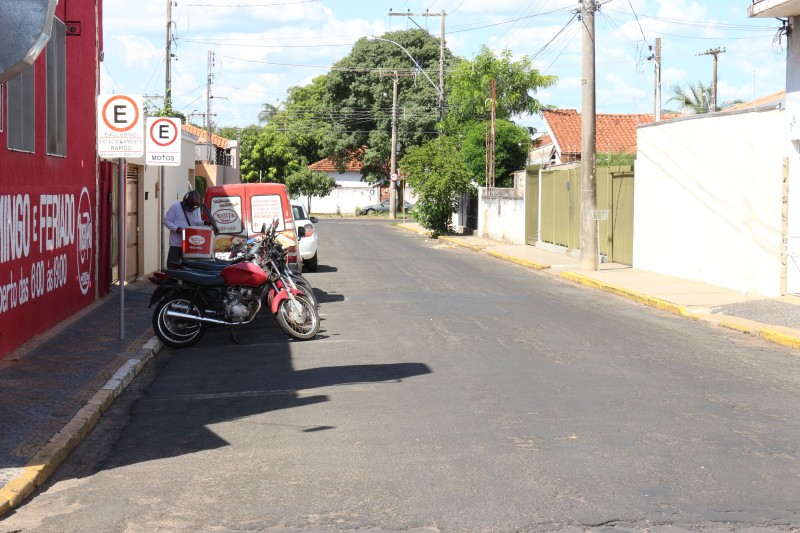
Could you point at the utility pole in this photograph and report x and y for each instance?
(209, 146)
(713, 52)
(441, 52)
(492, 137)
(589, 257)
(441, 71)
(393, 185)
(393, 158)
(657, 56)
(168, 77)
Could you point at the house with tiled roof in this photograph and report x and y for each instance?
(351, 192)
(217, 162)
(615, 133)
(542, 150)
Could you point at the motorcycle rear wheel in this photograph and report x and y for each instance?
(301, 324)
(176, 332)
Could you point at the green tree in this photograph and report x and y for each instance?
(309, 183)
(470, 87)
(436, 172)
(697, 99)
(305, 119)
(615, 159)
(267, 112)
(359, 99)
(512, 144)
(268, 156)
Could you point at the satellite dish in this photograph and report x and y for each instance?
(25, 27)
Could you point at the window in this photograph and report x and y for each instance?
(20, 108)
(57, 90)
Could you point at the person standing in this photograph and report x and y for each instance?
(179, 216)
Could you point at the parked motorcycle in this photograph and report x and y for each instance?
(294, 279)
(189, 301)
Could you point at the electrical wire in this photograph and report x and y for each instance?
(501, 23)
(254, 5)
(267, 45)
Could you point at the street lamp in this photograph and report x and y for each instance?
(393, 159)
(403, 48)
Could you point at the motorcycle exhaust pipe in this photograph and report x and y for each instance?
(204, 320)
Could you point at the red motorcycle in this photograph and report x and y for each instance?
(189, 301)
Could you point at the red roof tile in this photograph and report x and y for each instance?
(353, 164)
(615, 133)
(202, 134)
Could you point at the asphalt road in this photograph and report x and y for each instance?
(447, 391)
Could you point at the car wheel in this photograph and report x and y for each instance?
(369, 212)
(310, 264)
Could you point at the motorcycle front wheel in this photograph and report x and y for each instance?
(177, 332)
(305, 286)
(299, 318)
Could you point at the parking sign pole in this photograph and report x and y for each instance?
(121, 215)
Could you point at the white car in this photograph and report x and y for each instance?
(308, 242)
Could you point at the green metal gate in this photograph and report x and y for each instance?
(561, 210)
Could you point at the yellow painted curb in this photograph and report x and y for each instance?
(641, 298)
(461, 243)
(413, 229)
(16, 491)
(768, 334)
(517, 260)
(57, 449)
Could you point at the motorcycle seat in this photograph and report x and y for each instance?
(209, 266)
(201, 277)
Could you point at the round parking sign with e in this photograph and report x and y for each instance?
(120, 113)
(119, 126)
(394, 176)
(163, 142)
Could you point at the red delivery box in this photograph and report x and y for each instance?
(197, 242)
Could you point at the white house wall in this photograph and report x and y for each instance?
(708, 199)
(151, 207)
(793, 155)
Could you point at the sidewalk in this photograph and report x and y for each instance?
(54, 389)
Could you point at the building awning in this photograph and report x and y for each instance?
(774, 8)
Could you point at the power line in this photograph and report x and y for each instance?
(253, 5)
(509, 21)
(267, 45)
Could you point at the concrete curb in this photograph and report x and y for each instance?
(633, 295)
(474, 248)
(524, 262)
(45, 462)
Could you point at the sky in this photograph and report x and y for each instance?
(261, 48)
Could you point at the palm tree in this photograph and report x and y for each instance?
(697, 99)
(267, 112)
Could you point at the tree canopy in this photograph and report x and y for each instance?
(359, 98)
(697, 99)
(470, 86)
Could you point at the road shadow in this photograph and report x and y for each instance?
(220, 381)
(324, 297)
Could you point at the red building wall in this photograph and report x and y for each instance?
(48, 204)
